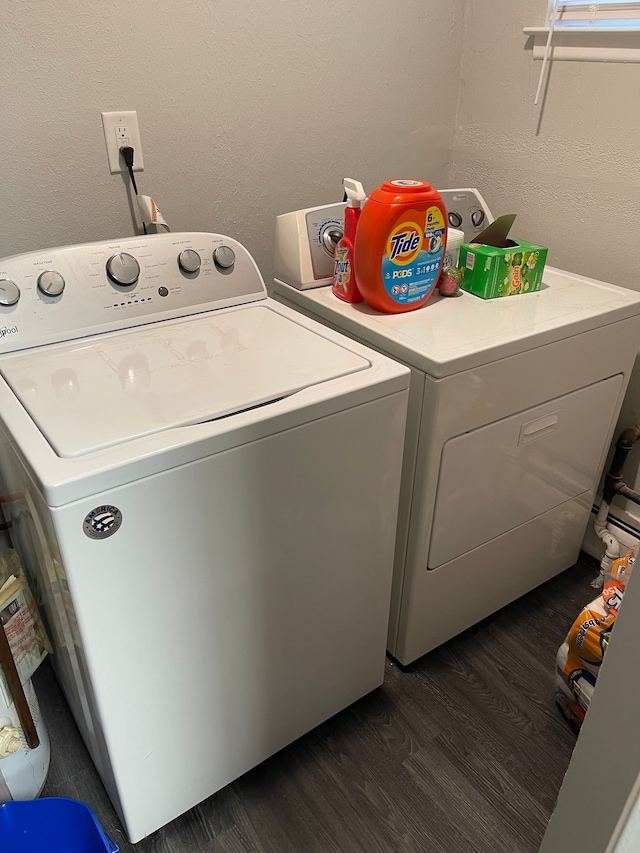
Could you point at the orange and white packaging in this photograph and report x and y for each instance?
(579, 658)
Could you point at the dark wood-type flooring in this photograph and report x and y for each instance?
(463, 752)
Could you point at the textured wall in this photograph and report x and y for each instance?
(571, 171)
(246, 109)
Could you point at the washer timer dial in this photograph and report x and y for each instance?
(123, 269)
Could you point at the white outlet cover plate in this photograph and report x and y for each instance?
(110, 123)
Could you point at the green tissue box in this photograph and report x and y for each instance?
(497, 266)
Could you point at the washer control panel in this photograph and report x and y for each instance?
(75, 291)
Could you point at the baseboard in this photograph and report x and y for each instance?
(624, 526)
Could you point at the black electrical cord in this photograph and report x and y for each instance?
(127, 152)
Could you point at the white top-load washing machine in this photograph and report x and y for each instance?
(512, 407)
(204, 486)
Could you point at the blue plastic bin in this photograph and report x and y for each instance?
(51, 825)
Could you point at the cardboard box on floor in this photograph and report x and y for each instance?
(495, 266)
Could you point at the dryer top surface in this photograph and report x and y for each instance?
(450, 334)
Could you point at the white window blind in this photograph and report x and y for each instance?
(575, 30)
(612, 14)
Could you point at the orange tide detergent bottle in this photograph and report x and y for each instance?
(400, 245)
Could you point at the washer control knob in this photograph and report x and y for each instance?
(477, 217)
(189, 260)
(123, 269)
(455, 220)
(50, 283)
(9, 292)
(224, 257)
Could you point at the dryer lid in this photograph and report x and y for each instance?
(110, 389)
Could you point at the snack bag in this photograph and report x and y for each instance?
(580, 656)
(616, 582)
(579, 659)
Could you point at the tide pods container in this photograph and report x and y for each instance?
(400, 244)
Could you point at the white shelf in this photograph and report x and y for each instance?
(587, 44)
(580, 30)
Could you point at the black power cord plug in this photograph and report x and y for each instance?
(127, 153)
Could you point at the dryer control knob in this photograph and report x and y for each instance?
(330, 238)
(189, 260)
(224, 257)
(123, 269)
(50, 283)
(9, 292)
(477, 217)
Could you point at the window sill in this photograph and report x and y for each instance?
(586, 44)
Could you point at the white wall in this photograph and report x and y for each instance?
(629, 840)
(246, 109)
(570, 171)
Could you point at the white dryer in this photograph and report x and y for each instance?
(204, 487)
(512, 407)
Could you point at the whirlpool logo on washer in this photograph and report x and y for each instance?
(102, 522)
(8, 330)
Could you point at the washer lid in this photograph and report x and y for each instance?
(113, 388)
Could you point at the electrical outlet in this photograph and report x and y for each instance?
(121, 129)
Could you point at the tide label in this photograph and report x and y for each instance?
(413, 257)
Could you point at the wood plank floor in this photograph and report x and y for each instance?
(463, 752)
